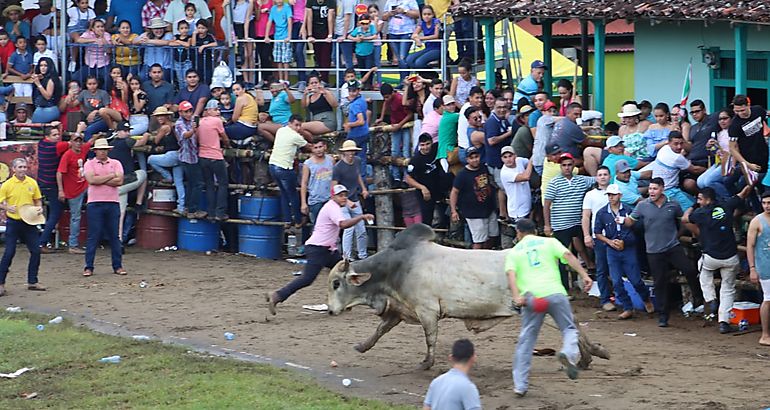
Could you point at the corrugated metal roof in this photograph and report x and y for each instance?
(709, 10)
(572, 28)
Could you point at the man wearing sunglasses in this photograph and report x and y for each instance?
(700, 133)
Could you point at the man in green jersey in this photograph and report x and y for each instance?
(532, 267)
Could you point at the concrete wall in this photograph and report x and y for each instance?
(618, 87)
(663, 51)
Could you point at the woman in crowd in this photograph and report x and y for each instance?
(567, 95)
(416, 94)
(320, 104)
(97, 54)
(428, 30)
(378, 24)
(259, 30)
(117, 87)
(719, 156)
(632, 131)
(157, 36)
(126, 55)
(489, 101)
(656, 135)
(164, 137)
(46, 92)
(245, 117)
(680, 120)
(462, 84)
(243, 13)
(137, 107)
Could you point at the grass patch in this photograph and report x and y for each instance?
(68, 374)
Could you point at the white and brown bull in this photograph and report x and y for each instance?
(420, 282)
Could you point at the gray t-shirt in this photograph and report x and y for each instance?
(568, 135)
(319, 185)
(660, 228)
(345, 7)
(90, 102)
(347, 175)
(452, 390)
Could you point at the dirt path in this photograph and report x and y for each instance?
(198, 297)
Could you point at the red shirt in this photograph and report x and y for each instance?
(397, 110)
(73, 179)
(5, 54)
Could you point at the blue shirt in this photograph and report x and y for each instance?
(129, 10)
(280, 109)
(158, 54)
(605, 224)
(526, 88)
(429, 31)
(21, 62)
(201, 91)
(365, 47)
(23, 27)
(494, 127)
(358, 106)
(630, 189)
(611, 159)
(280, 18)
(532, 121)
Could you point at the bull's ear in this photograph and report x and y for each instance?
(357, 279)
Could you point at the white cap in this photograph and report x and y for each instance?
(338, 189)
(613, 189)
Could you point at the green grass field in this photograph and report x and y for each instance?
(68, 374)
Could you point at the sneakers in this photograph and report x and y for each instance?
(609, 307)
(569, 367)
(663, 320)
(76, 251)
(197, 214)
(725, 328)
(627, 314)
(519, 393)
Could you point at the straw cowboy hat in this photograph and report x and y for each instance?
(157, 23)
(162, 110)
(11, 8)
(629, 110)
(32, 215)
(101, 144)
(349, 145)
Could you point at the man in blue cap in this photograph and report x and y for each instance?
(529, 86)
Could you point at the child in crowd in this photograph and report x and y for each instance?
(14, 25)
(54, 42)
(243, 11)
(7, 48)
(350, 75)
(428, 30)
(364, 36)
(20, 64)
(182, 61)
(44, 19)
(226, 107)
(100, 9)
(189, 14)
(79, 17)
(41, 44)
(201, 41)
(281, 16)
(378, 24)
(263, 50)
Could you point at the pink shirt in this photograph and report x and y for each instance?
(299, 11)
(208, 138)
(327, 226)
(430, 124)
(264, 15)
(102, 193)
(96, 54)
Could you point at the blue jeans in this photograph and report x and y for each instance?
(99, 125)
(216, 193)
(287, 183)
(299, 51)
(363, 143)
(239, 133)
(15, 230)
(602, 271)
(366, 63)
(193, 185)
(76, 206)
(180, 69)
(55, 209)
(401, 48)
(422, 58)
(358, 230)
(400, 146)
(46, 115)
(464, 37)
(713, 178)
(346, 50)
(170, 159)
(377, 63)
(103, 218)
(624, 263)
(318, 257)
(531, 321)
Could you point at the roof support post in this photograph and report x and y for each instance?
(547, 47)
(599, 65)
(741, 40)
(489, 52)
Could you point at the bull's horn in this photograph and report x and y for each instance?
(346, 264)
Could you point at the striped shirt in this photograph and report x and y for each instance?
(188, 147)
(48, 155)
(566, 196)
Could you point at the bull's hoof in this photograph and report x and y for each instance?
(425, 365)
(360, 348)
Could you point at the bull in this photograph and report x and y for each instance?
(417, 281)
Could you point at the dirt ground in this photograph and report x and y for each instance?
(198, 297)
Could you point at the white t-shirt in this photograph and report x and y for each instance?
(75, 14)
(667, 165)
(462, 128)
(40, 23)
(48, 53)
(428, 106)
(518, 193)
(595, 200)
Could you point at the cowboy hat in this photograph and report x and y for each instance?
(101, 144)
(31, 214)
(157, 23)
(629, 110)
(11, 8)
(162, 110)
(349, 145)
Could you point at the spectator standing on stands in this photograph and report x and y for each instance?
(701, 132)
(7, 48)
(20, 64)
(593, 201)
(49, 152)
(170, 156)
(195, 92)
(530, 85)
(400, 138)
(659, 215)
(104, 176)
(126, 10)
(176, 11)
(364, 36)
(201, 44)
(299, 32)
(72, 185)
(426, 174)
(357, 125)
(523, 140)
(498, 133)
(431, 122)
(319, 27)
(568, 135)
(211, 139)
(156, 38)
(453, 389)
(287, 142)
(401, 16)
(347, 172)
(714, 222)
(474, 195)
(185, 129)
(515, 177)
(758, 257)
(345, 23)
(43, 19)
(281, 17)
(316, 183)
(154, 9)
(475, 99)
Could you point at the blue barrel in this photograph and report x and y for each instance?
(260, 240)
(198, 235)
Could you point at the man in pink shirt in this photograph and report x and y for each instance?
(321, 248)
(211, 138)
(104, 176)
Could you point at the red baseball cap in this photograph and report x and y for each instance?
(564, 156)
(548, 105)
(185, 106)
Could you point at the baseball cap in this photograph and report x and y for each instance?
(613, 189)
(614, 141)
(185, 106)
(507, 149)
(211, 104)
(552, 149)
(538, 64)
(123, 126)
(471, 151)
(22, 107)
(353, 85)
(338, 189)
(548, 105)
(622, 166)
(448, 99)
(565, 156)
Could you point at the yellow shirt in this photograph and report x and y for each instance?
(250, 112)
(125, 55)
(16, 192)
(441, 7)
(550, 171)
(287, 141)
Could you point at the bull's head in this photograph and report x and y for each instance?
(344, 291)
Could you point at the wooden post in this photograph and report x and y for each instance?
(383, 206)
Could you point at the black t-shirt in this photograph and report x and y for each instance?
(426, 170)
(347, 175)
(320, 10)
(477, 197)
(121, 151)
(716, 228)
(699, 137)
(181, 53)
(749, 133)
(202, 41)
